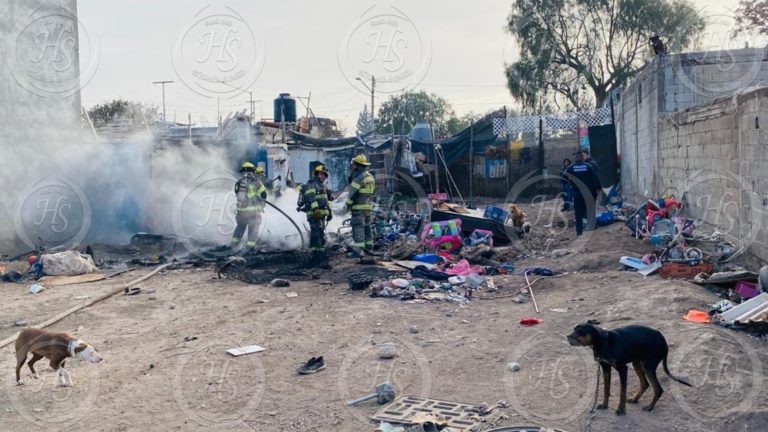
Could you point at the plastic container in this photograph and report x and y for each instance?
(635, 263)
(427, 258)
(495, 213)
(746, 290)
(605, 218)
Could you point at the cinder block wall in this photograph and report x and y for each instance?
(670, 84)
(716, 155)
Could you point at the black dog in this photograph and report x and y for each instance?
(642, 346)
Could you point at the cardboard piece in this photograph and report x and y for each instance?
(250, 349)
(69, 280)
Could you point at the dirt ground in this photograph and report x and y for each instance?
(154, 380)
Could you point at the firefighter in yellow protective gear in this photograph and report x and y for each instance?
(315, 200)
(362, 185)
(251, 195)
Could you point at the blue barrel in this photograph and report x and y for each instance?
(285, 108)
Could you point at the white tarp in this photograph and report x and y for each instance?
(69, 263)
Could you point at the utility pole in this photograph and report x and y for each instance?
(372, 88)
(163, 83)
(373, 110)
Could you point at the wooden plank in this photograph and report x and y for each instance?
(70, 311)
(69, 280)
(250, 349)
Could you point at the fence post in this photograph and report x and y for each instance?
(540, 161)
(471, 155)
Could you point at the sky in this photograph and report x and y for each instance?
(455, 49)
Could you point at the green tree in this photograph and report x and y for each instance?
(457, 124)
(752, 15)
(400, 113)
(574, 52)
(127, 112)
(364, 121)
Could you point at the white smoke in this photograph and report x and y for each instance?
(130, 185)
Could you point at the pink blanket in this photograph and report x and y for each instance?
(463, 268)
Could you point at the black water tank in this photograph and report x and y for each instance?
(285, 108)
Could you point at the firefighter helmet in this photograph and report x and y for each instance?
(360, 160)
(247, 166)
(320, 169)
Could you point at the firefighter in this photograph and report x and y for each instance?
(314, 200)
(251, 195)
(362, 184)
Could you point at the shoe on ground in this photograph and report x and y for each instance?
(313, 365)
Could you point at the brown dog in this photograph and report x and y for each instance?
(517, 216)
(56, 347)
(642, 346)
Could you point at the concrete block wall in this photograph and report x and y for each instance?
(675, 83)
(717, 154)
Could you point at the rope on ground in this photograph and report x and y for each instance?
(72, 310)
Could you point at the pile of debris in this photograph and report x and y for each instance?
(684, 251)
(259, 268)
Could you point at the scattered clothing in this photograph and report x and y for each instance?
(423, 272)
(528, 322)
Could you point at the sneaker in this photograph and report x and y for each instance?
(315, 364)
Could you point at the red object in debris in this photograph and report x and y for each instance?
(684, 271)
(527, 321)
(31, 259)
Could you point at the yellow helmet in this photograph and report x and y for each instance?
(247, 166)
(259, 170)
(360, 160)
(320, 169)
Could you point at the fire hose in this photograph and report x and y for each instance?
(292, 222)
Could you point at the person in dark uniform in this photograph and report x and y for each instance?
(583, 179)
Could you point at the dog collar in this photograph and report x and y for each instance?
(72, 345)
